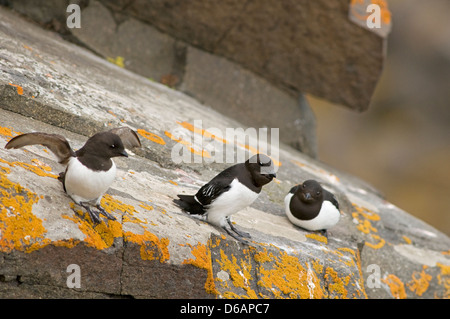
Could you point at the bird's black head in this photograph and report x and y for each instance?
(261, 168)
(310, 192)
(106, 145)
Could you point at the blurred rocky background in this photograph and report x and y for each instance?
(401, 144)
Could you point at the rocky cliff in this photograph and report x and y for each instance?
(46, 84)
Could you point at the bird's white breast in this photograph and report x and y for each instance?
(235, 199)
(328, 216)
(86, 185)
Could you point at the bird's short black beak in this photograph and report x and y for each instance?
(271, 175)
(124, 153)
(308, 196)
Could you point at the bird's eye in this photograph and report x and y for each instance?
(304, 185)
(318, 193)
(113, 146)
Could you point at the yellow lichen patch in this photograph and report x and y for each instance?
(37, 167)
(203, 260)
(239, 273)
(188, 145)
(146, 206)
(111, 204)
(420, 282)
(68, 243)
(396, 286)
(119, 61)
(7, 132)
(342, 258)
(317, 237)
(407, 240)
(202, 132)
(20, 229)
(364, 218)
(336, 285)
(152, 248)
(100, 236)
(380, 242)
(152, 137)
(285, 277)
(444, 279)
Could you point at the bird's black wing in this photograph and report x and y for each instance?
(197, 204)
(218, 185)
(55, 142)
(129, 137)
(209, 192)
(330, 197)
(294, 189)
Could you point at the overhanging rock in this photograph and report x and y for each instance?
(308, 46)
(46, 84)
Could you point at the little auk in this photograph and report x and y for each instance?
(90, 170)
(230, 191)
(311, 207)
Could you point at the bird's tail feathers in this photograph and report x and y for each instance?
(189, 204)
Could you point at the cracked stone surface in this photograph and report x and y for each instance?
(376, 250)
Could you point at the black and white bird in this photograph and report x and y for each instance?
(311, 207)
(230, 191)
(90, 170)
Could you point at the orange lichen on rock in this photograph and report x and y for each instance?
(152, 248)
(396, 286)
(336, 285)
(203, 260)
(188, 145)
(7, 132)
(20, 229)
(111, 204)
(202, 132)
(420, 282)
(444, 279)
(37, 167)
(240, 275)
(18, 87)
(152, 137)
(146, 206)
(364, 218)
(407, 240)
(381, 242)
(285, 277)
(317, 237)
(100, 236)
